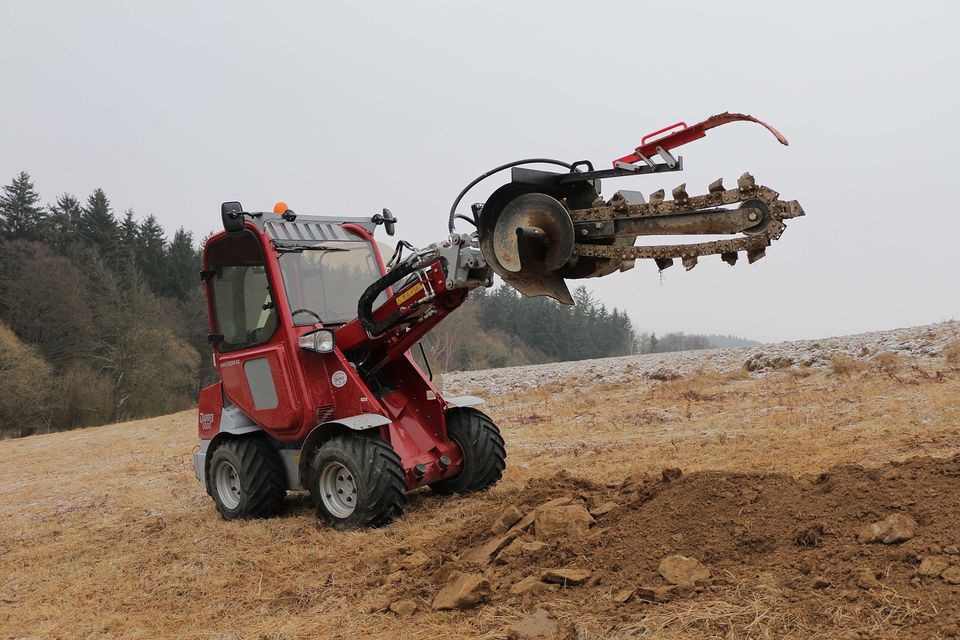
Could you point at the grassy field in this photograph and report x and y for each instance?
(105, 533)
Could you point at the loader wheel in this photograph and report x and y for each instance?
(357, 481)
(484, 456)
(246, 479)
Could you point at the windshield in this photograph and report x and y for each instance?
(324, 283)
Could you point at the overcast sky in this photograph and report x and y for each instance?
(347, 107)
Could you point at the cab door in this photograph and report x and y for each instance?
(248, 347)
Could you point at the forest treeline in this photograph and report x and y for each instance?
(499, 327)
(101, 315)
(102, 318)
(679, 341)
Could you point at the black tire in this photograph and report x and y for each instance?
(371, 474)
(484, 456)
(259, 483)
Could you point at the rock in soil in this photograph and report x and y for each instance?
(951, 575)
(932, 566)
(603, 509)
(464, 590)
(572, 520)
(530, 584)
(415, 560)
(519, 548)
(655, 594)
(866, 579)
(539, 625)
(403, 608)
(393, 578)
(483, 553)
(893, 529)
(623, 596)
(569, 577)
(382, 603)
(510, 516)
(683, 570)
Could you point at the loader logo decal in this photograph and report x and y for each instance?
(338, 379)
(206, 421)
(409, 293)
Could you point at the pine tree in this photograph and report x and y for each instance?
(183, 265)
(150, 253)
(64, 222)
(99, 228)
(20, 215)
(583, 298)
(128, 232)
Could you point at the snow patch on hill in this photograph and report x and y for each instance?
(923, 341)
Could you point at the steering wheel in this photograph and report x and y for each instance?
(313, 313)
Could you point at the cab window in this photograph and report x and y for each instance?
(244, 312)
(324, 282)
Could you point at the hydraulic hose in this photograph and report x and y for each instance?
(453, 210)
(365, 304)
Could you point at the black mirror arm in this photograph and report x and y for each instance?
(387, 219)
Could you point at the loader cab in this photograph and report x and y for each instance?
(268, 284)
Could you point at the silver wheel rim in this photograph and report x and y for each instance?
(227, 481)
(338, 490)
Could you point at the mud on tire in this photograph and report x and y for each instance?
(484, 456)
(356, 480)
(246, 479)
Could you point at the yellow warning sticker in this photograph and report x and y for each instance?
(409, 293)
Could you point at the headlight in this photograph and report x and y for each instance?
(320, 341)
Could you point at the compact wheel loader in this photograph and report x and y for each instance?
(312, 331)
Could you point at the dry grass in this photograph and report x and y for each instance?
(951, 352)
(845, 365)
(745, 613)
(887, 362)
(107, 534)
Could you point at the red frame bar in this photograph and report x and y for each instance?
(688, 134)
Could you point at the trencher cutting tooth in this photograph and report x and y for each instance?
(730, 257)
(656, 197)
(746, 182)
(689, 262)
(755, 254)
(680, 193)
(716, 186)
(663, 263)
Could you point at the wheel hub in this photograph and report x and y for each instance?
(227, 482)
(338, 490)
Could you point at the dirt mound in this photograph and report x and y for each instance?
(708, 552)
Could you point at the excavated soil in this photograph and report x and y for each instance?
(782, 552)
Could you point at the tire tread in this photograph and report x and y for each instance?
(262, 478)
(380, 474)
(485, 454)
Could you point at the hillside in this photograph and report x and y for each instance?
(762, 463)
